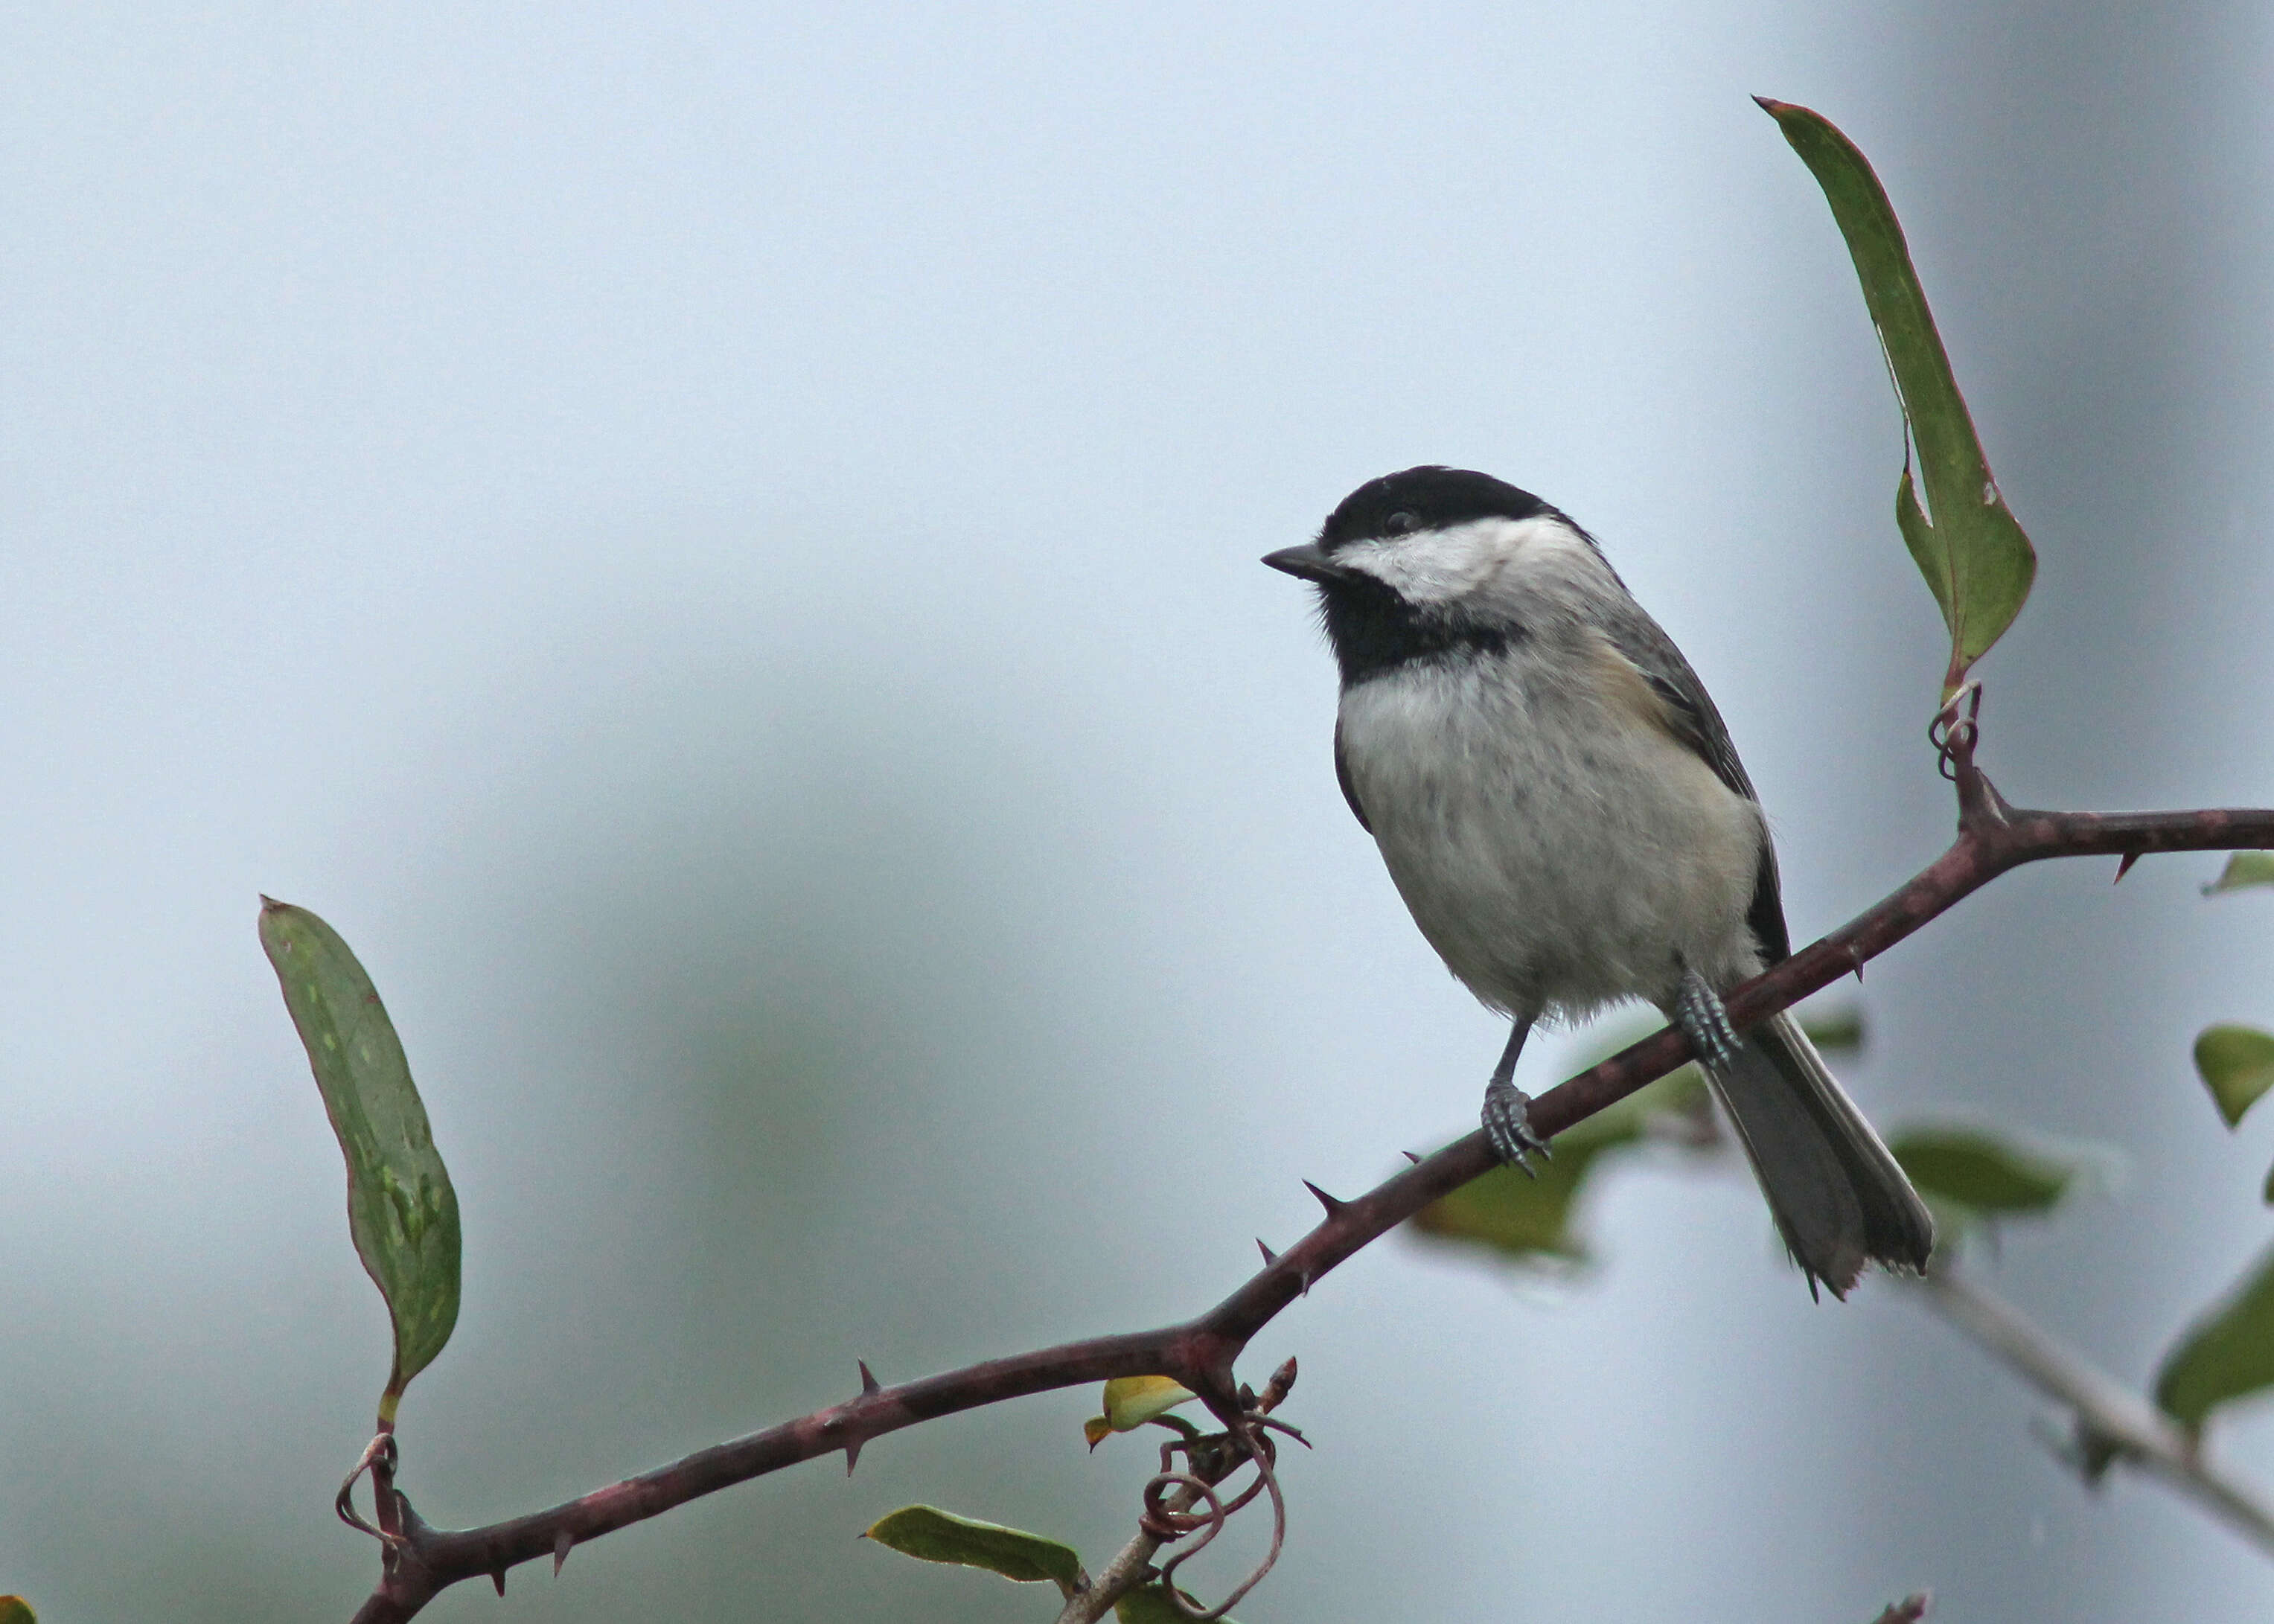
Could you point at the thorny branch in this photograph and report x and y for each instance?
(1993, 838)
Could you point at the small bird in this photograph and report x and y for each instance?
(1561, 808)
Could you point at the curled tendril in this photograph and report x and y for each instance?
(1164, 1521)
(1262, 1456)
(378, 1458)
(1208, 1460)
(1954, 735)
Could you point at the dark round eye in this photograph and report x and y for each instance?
(1401, 523)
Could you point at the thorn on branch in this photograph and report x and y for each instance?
(1412, 1156)
(497, 1578)
(562, 1541)
(1270, 1256)
(2096, 1453)
(2083, 1448)
(869, 1389)
(1334, 1207)
(2124, 867)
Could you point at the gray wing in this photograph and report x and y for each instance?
(1699, 725)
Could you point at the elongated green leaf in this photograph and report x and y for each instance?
(2237, 1065)
(2226, 1355)
(1150, 1604)
(402, 1211)
(1530, 1219)
(1971, 1176)
(931, 1535)
(2243, 870)
(1977, 561)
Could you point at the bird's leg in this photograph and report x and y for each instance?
(1704, 1021)
(1508, 1123)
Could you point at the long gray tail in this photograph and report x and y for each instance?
(1839, 1198)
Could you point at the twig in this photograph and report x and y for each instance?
(1131, 1567)
(2112, 1422)
(1993, 838)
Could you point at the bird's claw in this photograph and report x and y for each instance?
(1704, 1020)
(1508, 1125)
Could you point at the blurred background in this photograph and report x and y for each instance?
(718, 546)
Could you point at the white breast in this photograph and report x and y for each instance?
(1559, 852)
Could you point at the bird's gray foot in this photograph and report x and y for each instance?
(1507, 1124)
(1704, 1021)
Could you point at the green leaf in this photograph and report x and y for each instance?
(1531, 1218)
(2225, 1355)
(1149, 1605)
(1835, 1031)
(402, 1210)
(1970, 1176)
(1525, 1218)
(16, 1610)
(931, 1535)
(1977, 560)
(2237, 1065)
(2243, 870)
(1133, 1401)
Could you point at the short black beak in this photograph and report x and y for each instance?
(1306, 561)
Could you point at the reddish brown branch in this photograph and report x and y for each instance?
(1992, 838)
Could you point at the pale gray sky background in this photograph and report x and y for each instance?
(718, 546)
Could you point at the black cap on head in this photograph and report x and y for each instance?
(1424, 499)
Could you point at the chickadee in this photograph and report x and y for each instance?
(1561, 808)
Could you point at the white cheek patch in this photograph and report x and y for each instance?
(1440, 567)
